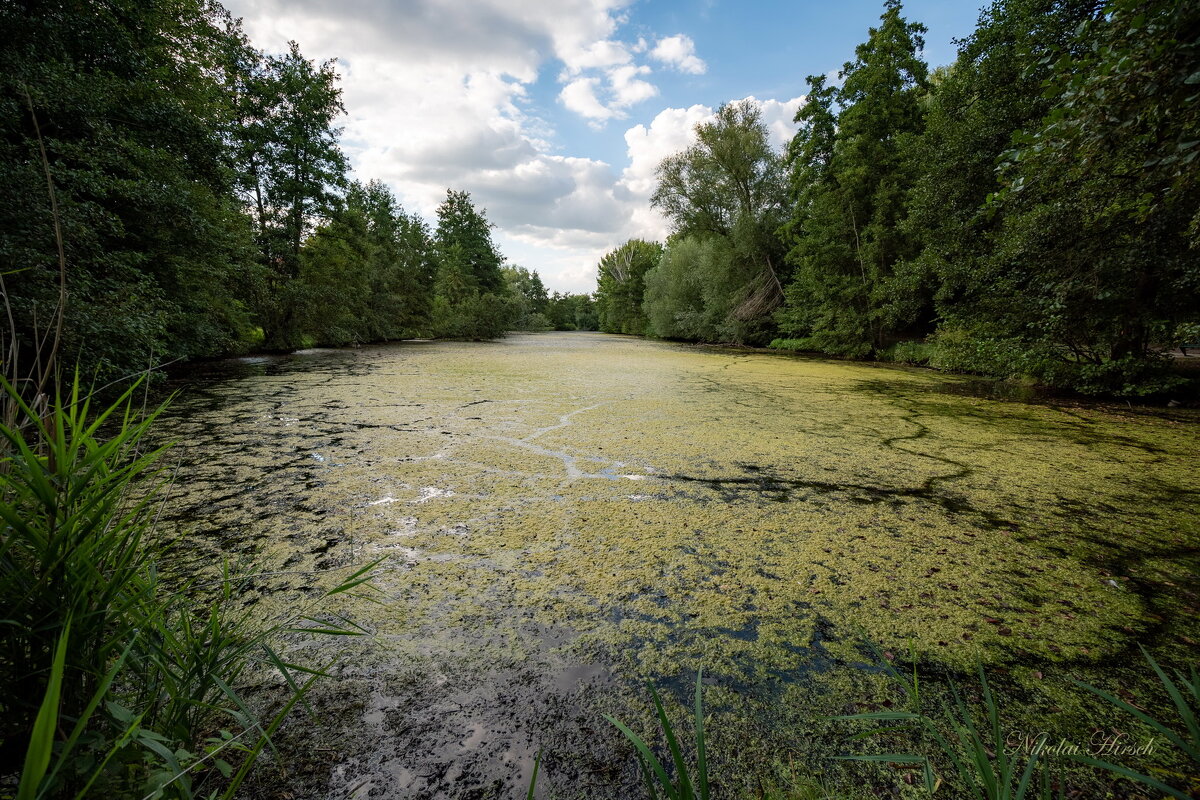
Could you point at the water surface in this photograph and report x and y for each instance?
(561, 515)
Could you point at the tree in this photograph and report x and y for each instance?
(121, 115)
(621, 286)
(1095, 258)
(674, 300)
(471, 298)
(846, 232)
(292, 170)
(729, 185)
(461, 225)
(529, 298)
(992, 92)
(571, 312)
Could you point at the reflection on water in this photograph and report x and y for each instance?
(561, 515)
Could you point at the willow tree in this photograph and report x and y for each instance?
(729, 186)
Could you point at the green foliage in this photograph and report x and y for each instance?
(196, 191)
(530, 299)
(621, 286)
(727, 191)
(121, 686)
(472, 299)
(365, 275)
(290, 169)
(464, 229)
(572, 312)
(687, 784)
(987, 350)
(674, 303)
(992, 91)
(1034, 203)
(1094, 255)
(849, 181)
(976, 749)
(980, 759)
(796, 345)
(1184, 694)
(129, 107)
(908, 353)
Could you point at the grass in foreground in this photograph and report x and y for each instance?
(114, 684)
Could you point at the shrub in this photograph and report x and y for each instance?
(121, 686)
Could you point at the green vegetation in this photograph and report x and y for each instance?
(964, 749)
(124, 677)
(673, 507)
(203, 201)
(720, 275)
(1027, 211)
(686, 785)
(622, 284)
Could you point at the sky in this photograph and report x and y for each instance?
(554, 114)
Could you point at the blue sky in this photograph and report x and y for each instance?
(554, 113)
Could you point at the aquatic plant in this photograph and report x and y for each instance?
(982, 767)
(115, 682)
(982, 758)
(1184, 692)
(686, 784)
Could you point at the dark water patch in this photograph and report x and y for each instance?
(778, 489)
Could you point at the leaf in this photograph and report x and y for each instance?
(41, 739)
(537, 762)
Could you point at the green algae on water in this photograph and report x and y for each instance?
(580, 500)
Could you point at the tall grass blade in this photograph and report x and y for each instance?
(537, 762)
(701, 755)
(41, 740)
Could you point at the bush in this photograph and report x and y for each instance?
(917, 353)
(959, 349)
(794, 345)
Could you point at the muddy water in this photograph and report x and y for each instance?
(561, 515)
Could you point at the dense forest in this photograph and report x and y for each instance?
(1029, 210)
(186, 195)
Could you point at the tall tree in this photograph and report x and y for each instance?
(292, 172)
(848, 296)
(117, 109)
(529, 298)
(993, 92)
(1095, 262)
(621, 286)
(461, 225)
(471, 298)
(729, 185)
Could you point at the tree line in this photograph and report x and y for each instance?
(187, 196)
(1029, 210)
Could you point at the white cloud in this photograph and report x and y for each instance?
(600, 54)
(438, 95)
(777, 116)
(679, 51)
(580, 96)
(627, 88)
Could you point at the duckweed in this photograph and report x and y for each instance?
(562, 514)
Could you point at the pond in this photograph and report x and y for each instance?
(560, 516)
